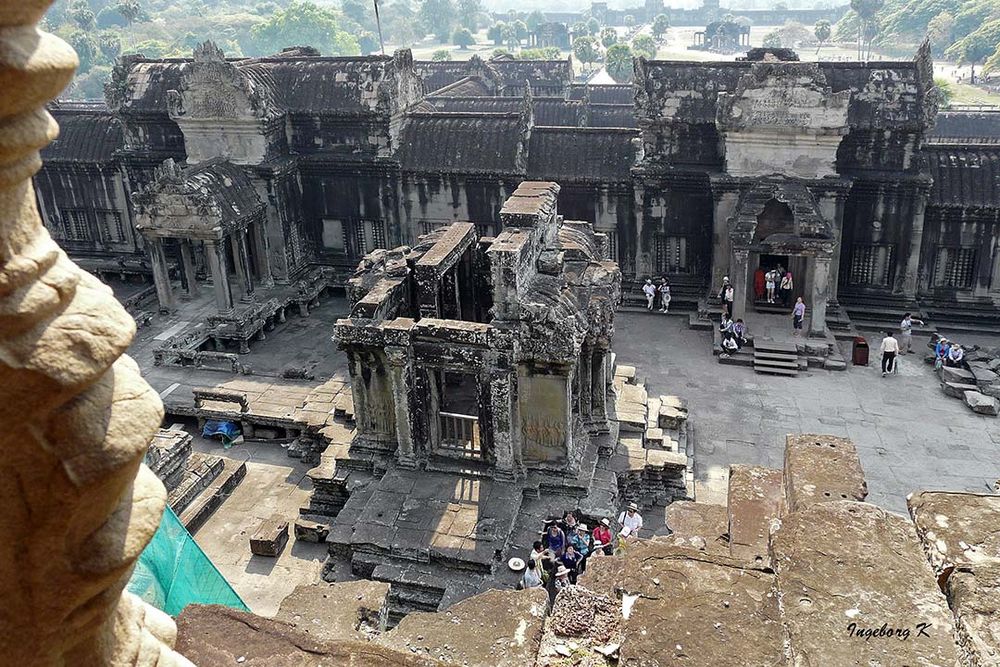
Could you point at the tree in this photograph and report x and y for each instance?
(441, 54)
(130, 11)
(628, 20)
(535, 20)
(521, 28)
(644, 46)
(593, 25)
(867, 26)
(585, 49)
(772, 40)
(609, 37)
(360, 12)
(947, 92)
(618, 62)
(86, 49)
(544, 53)
(303, 24)
(579, 29)
(438, 16)
(510, 36)
(110, 45)
(468, 13)
(940, 30)
(463, 38)
(496, 33)
(976, 47)
(82, 15)
(822, 30)
(660, 26)
(992, 63)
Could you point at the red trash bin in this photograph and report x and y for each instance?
(859, 354)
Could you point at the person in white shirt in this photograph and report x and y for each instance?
(649, 289)
(889, 349)
(906, 333)
(630, 521)
(955, 355)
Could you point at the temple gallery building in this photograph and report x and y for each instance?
(249, 173)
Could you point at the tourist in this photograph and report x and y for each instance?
(955, 356)
(568, 524)
(630, 521)
(889, 349)
(770, 280)
(664, 290)
(740, 332)
(726, 326)
(758, 284)
(729, 346)
(906, 333)
(555, 540)
(602, 538)
(532, 577)
(726, 295)
(580, 539)
(786, 288)
(650, 291)
(798, 314)
(562, 578)
(542, 558)
(941, 349)
(571, 560)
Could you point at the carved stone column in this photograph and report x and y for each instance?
(161, 275)
(599, 392)
(910, 278)
(215, 251)
(583, 371)
(241, 260)
(262, 253)
(187, 265)
(75, 415)
(501, 404)
(738, 274)
(399, 373)
(820, 293)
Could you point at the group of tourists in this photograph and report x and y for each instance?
(566, 544)
(946, 352)
(657, 295)
(733, 334)
(774, 285)
(766, 285)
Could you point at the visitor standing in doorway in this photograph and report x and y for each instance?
(664, 290)
(758, 284)
(727, 294)
(786, 288)
(770, 279)
(906, 333)
(649, 289)
(889, 349)
(798, 314)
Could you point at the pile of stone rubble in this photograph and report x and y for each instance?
(976, 382)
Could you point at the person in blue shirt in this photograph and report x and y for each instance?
(555, 540)
(571, 560)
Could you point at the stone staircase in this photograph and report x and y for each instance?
(774, 358)
(232, 473)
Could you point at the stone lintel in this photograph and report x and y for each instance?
(756, 499)
(846, 568)
(821, 468)
(456, 239)
(453, 331)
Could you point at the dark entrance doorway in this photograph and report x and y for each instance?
(782, 263)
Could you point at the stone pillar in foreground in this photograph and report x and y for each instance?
(161, 275)
(399, 374)
(738, 276)
(241, 259)
(501, 404)
(820, 293)
(75, 415)
(215, 252)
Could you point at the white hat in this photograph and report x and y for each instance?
(562, 571)
(725, 279)
(582, 527)
(515, 564)
(606, 522)
(633, 506)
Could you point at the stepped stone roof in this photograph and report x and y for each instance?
(461, 142)
(964, 175)
(91, 135)
(604, 94)
(566, 154)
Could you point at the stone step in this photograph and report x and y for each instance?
(198, 512)
(776, 371)
(776, 356)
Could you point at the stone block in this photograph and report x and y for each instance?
(974, 595)
(981, 403)
(990, 390)
(957, 375)
(672, 416)
(993, 365)
(956, 528)
(663, 459)
(345, 610)
(853, 580)
(821, 468)
(698, 525)
(956, 390)
(756, 501)
(627, 372)
(498, 627)
(984, 376)
(270, 538)
(308, 531)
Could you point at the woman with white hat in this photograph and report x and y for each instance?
(631, 523)
(562, 578)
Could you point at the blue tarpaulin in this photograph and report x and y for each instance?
(228, 430)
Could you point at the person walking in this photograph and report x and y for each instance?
(889, 349)
(906, 333)
(664, 291)
(649, 289)
(798, 314)
(786, 288)
(726, 295)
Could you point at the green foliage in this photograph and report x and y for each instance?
(501, 52)
(644, 46)
(544, 53)
(609, 37)
(82, 15)
(468, 13)
(822, 30)
(660, 25)
(86, 48)
(131, 10)
(593, 25)
(509, 34)
(973, 14)
(941, 31)
(496, 32)
(110, 45)
(585, 49)
(521, 28)
(303, 23)
(441, 54)
(90, 84)
(618, 62)
(947, 92)
(977, 46)
(462, 38)
(110, 17)
(579, 29)
(438, 17)
(360, 12)
(772, 40)
(535, 20)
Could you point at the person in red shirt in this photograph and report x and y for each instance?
(602, 536)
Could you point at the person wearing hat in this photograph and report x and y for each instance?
(562, 578)
(955, 356)
(602, 538)
(649, 289)
(580, 539)
(630, 521)
(941, 352)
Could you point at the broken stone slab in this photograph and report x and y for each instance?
(627, 372)
(853, 580)
(270, 538)
(990, 389)
(697, 525)
(958, 375)
(982, 404)
(584, 628)
(309, 531)
(821, 468)
(217, 635)
(498, 627)
(956, 528)
(662, 459)
(673, 412)
(974, 596)
(956, 390)
(756, 502)
(345, 610)
(984, 376)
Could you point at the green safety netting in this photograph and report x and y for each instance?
(173, 572)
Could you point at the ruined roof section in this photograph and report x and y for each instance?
(468, 86)
(967, 124)
(608, 94)
(142, 86)
(462, 142)
(541, 72)
(581, 154)
(964, 176)
(84, 136)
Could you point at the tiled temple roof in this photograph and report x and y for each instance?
(971, 124)
(84, 136)
(604, 94)
(612, 115)
(966, 176)
(578, 154)
(461, 142)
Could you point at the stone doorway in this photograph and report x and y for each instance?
(458, 432)
(761, 263)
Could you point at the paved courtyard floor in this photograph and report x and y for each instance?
(909, 434)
